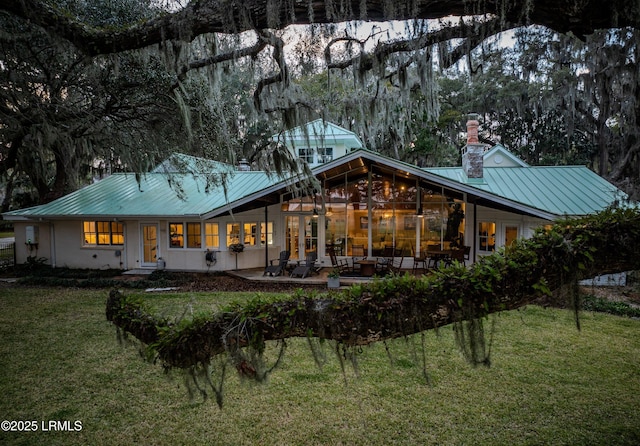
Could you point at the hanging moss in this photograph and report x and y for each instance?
(396, 307)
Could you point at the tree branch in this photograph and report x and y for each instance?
(400, 306)
(249, 51)
(228, 16)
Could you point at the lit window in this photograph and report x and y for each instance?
(102, 233)
(250, 233)
(176, 235)
(89, 231)
(211, 235)
(233, 233)
(486, 236)
(117, 233)
(266, 232)
(194, 235)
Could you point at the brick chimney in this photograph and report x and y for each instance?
(472, 153)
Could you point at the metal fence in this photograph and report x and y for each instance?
(7, 254)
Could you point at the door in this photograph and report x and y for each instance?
(292, 226)
(511, 233)
(301, 235)
(150, 247)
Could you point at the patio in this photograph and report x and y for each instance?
(320, 278)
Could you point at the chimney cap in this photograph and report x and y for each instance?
(472, 128)
(243, 165)
(473, 116)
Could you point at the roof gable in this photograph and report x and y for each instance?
(320, 132)
(499, 156)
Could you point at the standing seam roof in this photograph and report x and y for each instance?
(560, 190)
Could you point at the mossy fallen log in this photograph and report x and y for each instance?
(400, 305)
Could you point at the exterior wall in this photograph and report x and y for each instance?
(339, 149)
(67, 250)
(503, 220)
(23, 250)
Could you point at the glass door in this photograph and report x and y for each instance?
(292, 236)
(310, 234)
(149, 245)
(510, 234)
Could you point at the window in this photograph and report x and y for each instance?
(266, 233)
(306, 155)
(211, 235)
(194, 235)
(89, 233)
(233, 233)
(176, 235)
(104, 233)
(250, 233)
(325, 154)
(486, 236)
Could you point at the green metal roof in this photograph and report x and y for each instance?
(543, 191)
(120, 195)
(560, 190)
(321, 132)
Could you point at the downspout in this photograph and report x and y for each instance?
(124, 248)
(52, 235)
(370, 216)
(266, 241)
(475, 226)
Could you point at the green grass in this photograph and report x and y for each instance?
(548, 384)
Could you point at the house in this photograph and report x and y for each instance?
(319, 142)
(171, 219)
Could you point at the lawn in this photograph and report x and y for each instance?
(548, 384)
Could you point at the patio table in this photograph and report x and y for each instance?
(438, 255)
(367, 267)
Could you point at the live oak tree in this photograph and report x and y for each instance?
(554, 99)
(393, 92)
(205, 40)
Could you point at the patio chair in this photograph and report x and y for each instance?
(342, 265)
(357, 253)
(384, 263)
(419, 261)
(467, 253)
(456, 255)
(307, 268)
(275, 269)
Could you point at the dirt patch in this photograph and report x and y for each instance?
(628, 294)
(223, 282)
